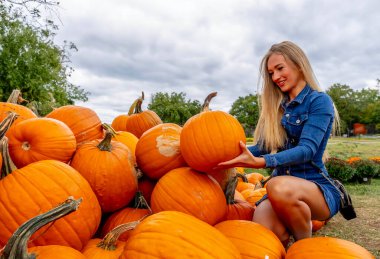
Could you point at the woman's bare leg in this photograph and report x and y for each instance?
(296, 202)
(265, 216)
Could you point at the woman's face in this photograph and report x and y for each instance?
(286, 75)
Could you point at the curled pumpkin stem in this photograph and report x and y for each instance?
(7, 123)
(108, 128)
(206, 103)
(8, 165)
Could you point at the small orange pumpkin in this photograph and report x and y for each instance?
(140, 121)
(119, 122)
(252, 195)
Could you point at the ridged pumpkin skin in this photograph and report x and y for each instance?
(209, 138)
(251, 239)
(23, 112)
(138, 123)
(119, 122)
(84, 122)
(326, 247)
(129, 140)
(171, 234)
(158, 151)
(110, 174)
(91, 251)
(38, 187)
(188, 191)
(56, 252)
(38, 139)
(240, 209)
(125, 215)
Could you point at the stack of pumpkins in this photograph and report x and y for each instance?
(142, 188)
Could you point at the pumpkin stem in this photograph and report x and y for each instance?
(15, 97)
(109, 241)
(263, 182)
(105, 144)
(243, 177)
(17, 244)
(140, 202)
(205, 106)
(109, 128)
(7, 123)
(8, 165)
(230, 189)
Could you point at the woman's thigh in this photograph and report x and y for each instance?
(290, 189)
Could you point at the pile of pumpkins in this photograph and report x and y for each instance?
(74, 187)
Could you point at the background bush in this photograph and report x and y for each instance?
(365, 168)
(340, 169)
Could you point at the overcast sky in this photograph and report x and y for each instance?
(201, 46)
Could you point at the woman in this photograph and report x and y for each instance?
(295, 123)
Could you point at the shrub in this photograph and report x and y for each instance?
(365, 168)
(339, 169)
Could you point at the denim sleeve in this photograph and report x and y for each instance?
(321, 114)
(256, 151)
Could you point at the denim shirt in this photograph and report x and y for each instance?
(307, 120)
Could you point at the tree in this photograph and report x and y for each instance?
(246, 110)
(31, 62)
(174, 108)
(344, 99)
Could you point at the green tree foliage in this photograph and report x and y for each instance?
(361, 106)
(174, 108)
(31, 62)
(246, 110)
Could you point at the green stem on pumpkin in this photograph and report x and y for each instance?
(230, 189)
(243, 177)
(140, 202)
(105, 144)
(8, 165)
(109, 128)
(206, 103)
(17, 244)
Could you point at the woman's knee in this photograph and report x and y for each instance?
(280, 189)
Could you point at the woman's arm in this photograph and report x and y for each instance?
(321, 114)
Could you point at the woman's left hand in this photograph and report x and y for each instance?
(245, 159)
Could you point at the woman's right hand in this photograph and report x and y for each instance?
(245, 159)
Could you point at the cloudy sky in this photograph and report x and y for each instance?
(200, 46)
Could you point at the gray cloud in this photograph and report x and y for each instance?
(197, 47)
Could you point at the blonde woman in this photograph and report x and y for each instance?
(295, 122)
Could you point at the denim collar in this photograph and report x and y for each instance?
(299, 98)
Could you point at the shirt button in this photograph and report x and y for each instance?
(287, 115)
(298, 121)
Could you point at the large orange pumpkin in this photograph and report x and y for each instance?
(83, 121)
(107, 167)
(158, 152)
(172, 234)
(140, 121)
(210, 137)
(326, 247)
(252, 239)
(40, 139)
(188, 191)
(17, 245)
(40, 186)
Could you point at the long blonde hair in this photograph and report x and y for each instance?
(269, 133)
